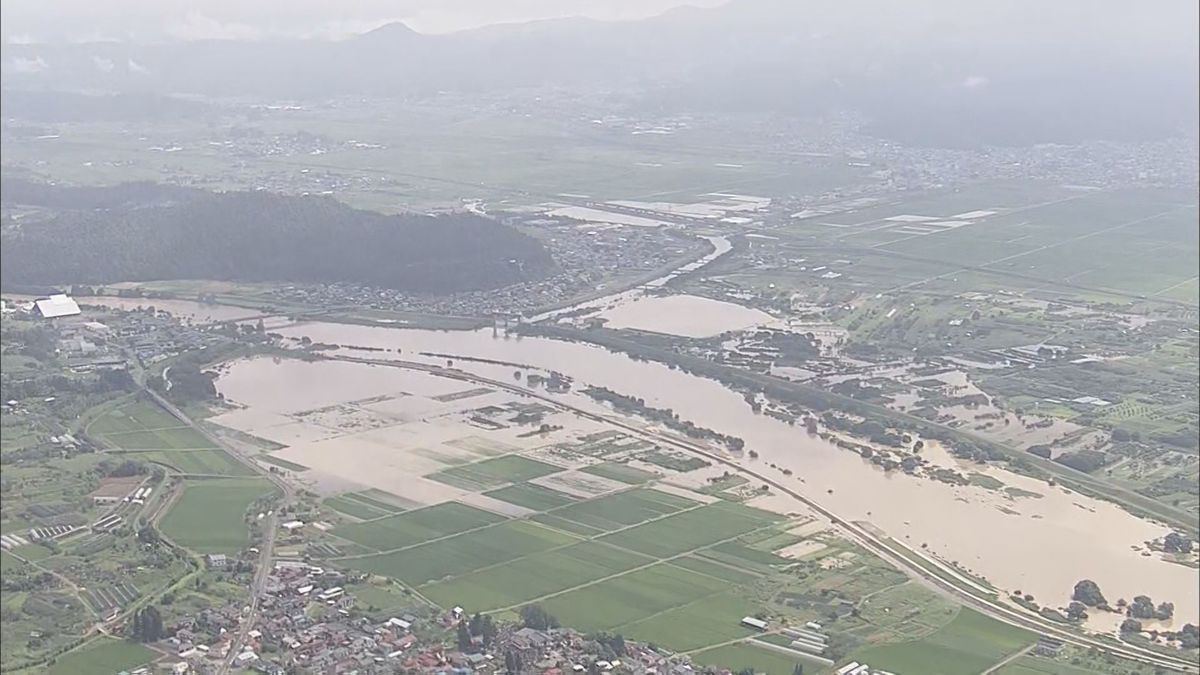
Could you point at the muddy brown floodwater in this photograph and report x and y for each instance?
(1038, 545)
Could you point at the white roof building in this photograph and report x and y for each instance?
(56, 306)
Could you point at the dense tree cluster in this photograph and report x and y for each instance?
(665, 416)
(1086, 461)
(1177, 543)
(1088, 592)
(536, 616)
(146, 625)
(189, 383)
(1143, 607)
(1189, 636)
(483, 627)
(611, 646)
(256, 236)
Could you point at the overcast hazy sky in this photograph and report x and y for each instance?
(41, 20)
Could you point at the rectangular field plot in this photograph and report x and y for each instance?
(620, 472)
(361, 506)
(761, 659)
(525, 580)
(551, 520)
(715, 569)
(105, 655)
(531, 496)
(104, 600)
(494, 472)
(710, 620)
(622, 509)
(630, 597)
(415, 527)
(213, 462)
(463, 553)
(133, 416)
(143, 426)
(691, 530)
(968, 644)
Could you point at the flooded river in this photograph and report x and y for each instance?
(721, 246)
(686, 315)
(1041, 546)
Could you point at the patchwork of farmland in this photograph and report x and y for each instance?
(494, 472)
(631, 561)
(148, 433)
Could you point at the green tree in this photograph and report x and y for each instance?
(464, 637)
(1088, 592)
(535, 616)
(489, 631)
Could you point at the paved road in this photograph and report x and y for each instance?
(266, 547)
(884, 548)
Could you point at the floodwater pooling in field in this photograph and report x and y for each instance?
(1038, 545)
(686, 315)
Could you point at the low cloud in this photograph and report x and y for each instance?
(34, 65)
(196, 26)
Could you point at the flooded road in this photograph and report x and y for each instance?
(1038, 545)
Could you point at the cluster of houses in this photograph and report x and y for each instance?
(588, 256)
(308, 622)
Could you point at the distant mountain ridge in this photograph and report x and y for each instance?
(146, 232)
(1070, 69)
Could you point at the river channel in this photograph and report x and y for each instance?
(1038, 545)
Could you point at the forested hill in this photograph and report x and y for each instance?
(256, 236)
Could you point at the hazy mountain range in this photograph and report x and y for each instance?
(994, 71)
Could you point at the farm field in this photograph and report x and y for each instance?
(1138, 242)
(968, 644)
(531, 496)
(359, 505)
(690, 530)
(746, 655)
(631, 597)
(143, 426)
(711, 620)
(416, 527)
(463, 553)
(210, 516)
(594, 564)
(524, 580)
(619, 472)
(622, 509)
(494, 472)
(214, 462)
(105, 655)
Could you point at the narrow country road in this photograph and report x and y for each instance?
(266, 548)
